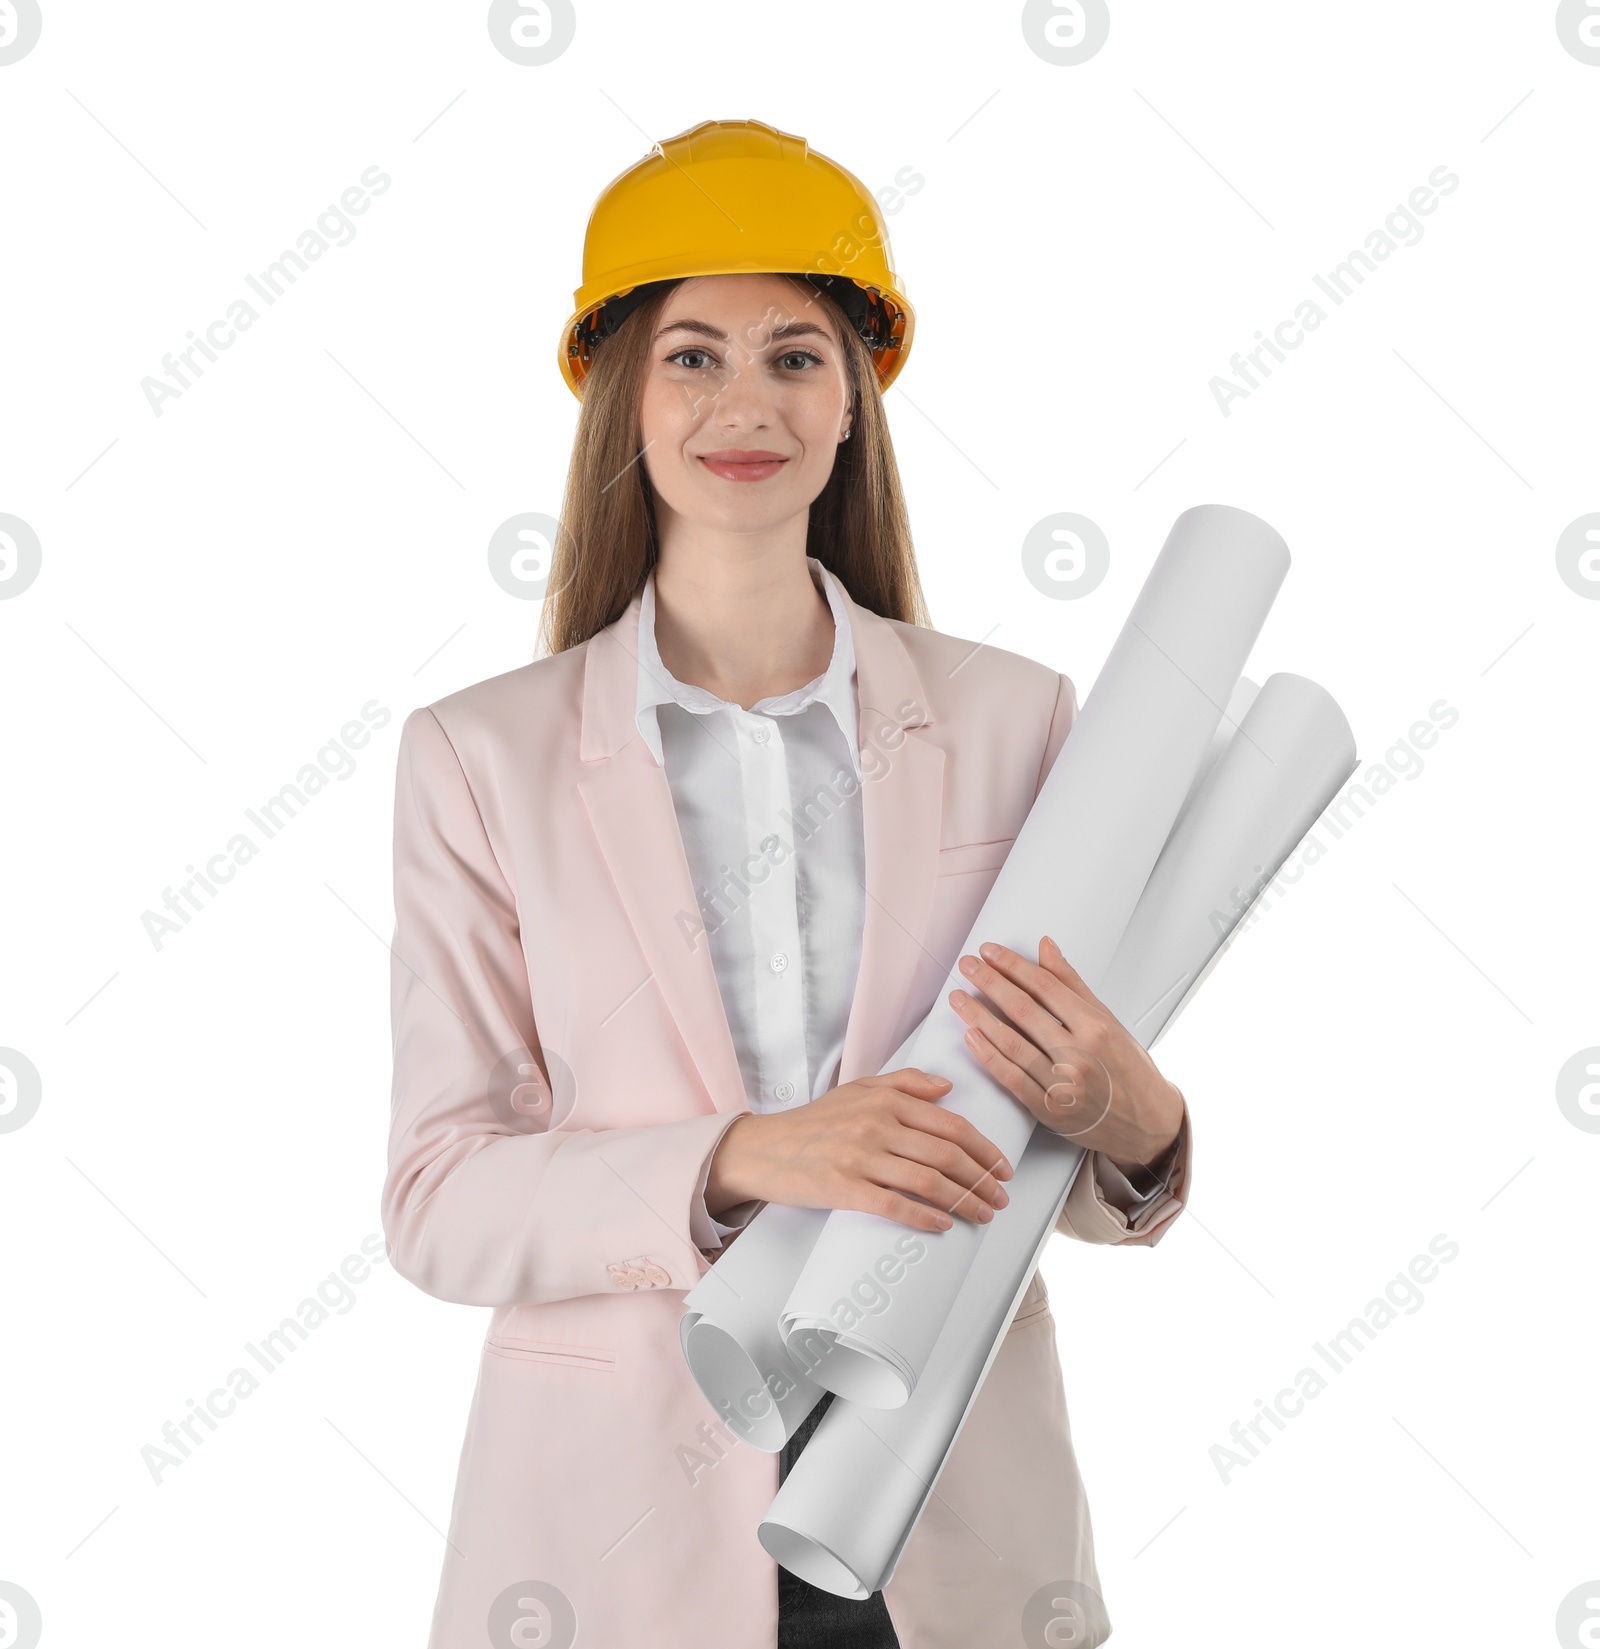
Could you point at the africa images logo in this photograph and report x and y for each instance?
(20, 26)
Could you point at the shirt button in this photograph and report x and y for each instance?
(784, 1091)
(759, 734)
(779, 961)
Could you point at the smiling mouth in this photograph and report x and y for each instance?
(743, 466)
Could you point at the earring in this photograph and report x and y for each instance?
(846, 435)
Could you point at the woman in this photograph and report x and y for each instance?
(670, 896)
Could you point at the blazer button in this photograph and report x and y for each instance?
(620, 1278)
(656, 1276)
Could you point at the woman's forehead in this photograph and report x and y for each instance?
(741, 299)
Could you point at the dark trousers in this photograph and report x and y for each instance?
(810, 1618)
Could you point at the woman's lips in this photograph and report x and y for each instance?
(733, 465)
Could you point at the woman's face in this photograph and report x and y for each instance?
(744, 404)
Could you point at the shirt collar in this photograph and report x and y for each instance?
(835, 687)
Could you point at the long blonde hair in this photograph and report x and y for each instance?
(859, 529)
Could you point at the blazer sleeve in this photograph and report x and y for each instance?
(1102, 1205)
(479, 1205)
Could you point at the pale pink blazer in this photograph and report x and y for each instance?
(543, 900)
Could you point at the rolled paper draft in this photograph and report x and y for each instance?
(847, 1508)
(729, 1330)
(1292, 754)
(1239, 701)
(846, 1511)
(1076, 870)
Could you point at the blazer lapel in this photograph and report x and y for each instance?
(630, 806)
(902, 799)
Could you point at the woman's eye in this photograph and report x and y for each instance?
(694, 359)
(799, 360)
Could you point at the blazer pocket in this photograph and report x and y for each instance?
(1034, 1303)
(970, 856)
(520, 1349)
(1026, 1314)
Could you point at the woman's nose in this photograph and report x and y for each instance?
(744, 398)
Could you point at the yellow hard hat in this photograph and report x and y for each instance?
(732, 197)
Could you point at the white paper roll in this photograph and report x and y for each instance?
(844, 1514)
(1076, 870)
(729, 1330)
(847, 1508)
(1293, 751)
(1239, 701)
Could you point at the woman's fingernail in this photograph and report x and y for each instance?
(969, 964)
(1001, 1197)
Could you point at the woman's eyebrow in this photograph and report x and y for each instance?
(794, 329)
(701, 327)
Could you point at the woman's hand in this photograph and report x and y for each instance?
(877, 1144)
(1061, 1051)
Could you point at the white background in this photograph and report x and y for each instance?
(305, 531)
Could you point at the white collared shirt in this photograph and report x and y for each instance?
(768, 802)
